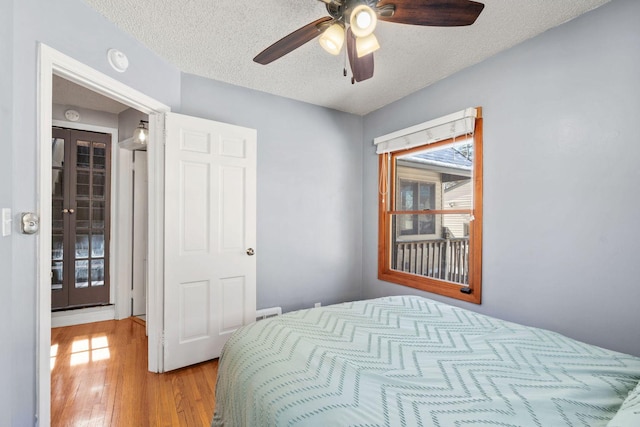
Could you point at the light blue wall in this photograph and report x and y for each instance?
(560, 176)
(309, 191)
(561, 152)
(6, 191)
(71, 27)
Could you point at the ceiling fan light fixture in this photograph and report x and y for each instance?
(366, 45)
(359, 19)
(333, 39)
(363, 20)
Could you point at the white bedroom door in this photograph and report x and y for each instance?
(210, 236)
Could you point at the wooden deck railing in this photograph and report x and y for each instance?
(446, 259)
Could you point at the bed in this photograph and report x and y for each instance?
(411, 361)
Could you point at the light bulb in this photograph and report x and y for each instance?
(141, 133)
(332, 39)
(363, 21)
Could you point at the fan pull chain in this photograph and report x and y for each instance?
(346, 58)
(344, 68)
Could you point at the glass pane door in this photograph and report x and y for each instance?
(80, 269)
(59, 143)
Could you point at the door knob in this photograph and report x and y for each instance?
(30, 223)
(71, 210)
(65, 210)
(250, 252)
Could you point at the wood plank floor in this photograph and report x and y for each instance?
(99, 377)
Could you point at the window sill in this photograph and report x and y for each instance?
(427, 284)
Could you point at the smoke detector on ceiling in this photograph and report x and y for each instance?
(72, 115)
(118, 60)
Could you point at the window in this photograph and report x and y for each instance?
(416, 196)
(430, 211)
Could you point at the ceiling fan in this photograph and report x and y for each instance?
(356, 20)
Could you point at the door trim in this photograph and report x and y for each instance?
(81, 316)
(51, 61)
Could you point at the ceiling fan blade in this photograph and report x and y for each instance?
(436, 13)
(292, 41)
(361, 68)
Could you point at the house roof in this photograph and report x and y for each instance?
(449, 158)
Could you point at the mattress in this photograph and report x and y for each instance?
(411, 361)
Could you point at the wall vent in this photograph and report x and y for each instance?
(265, 313)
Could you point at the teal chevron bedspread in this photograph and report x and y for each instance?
(411, 361)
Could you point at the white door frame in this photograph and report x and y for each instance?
(51, 61)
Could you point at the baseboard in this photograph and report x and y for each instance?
(82, 315)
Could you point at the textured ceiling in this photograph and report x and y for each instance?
(218, 39)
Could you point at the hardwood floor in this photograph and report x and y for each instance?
(99, 377)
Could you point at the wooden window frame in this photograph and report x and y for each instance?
(473, 291)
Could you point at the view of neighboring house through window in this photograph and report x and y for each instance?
(416, 196)
(430, 216)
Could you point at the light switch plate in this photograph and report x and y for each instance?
(6, 222)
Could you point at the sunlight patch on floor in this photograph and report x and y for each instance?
(52, 355)
(86, 350)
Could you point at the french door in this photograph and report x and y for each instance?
(81, 176)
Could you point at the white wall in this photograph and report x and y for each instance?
(87, 116)
(309, 236)
(560, 159)
(128, 120)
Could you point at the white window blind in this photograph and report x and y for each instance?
(440, 129)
